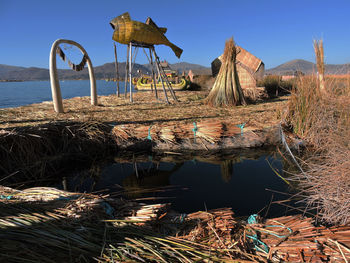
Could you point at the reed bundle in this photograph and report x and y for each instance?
(126, 132)
(232, 129)
(210, 131)
(167, 134)
(227, 90)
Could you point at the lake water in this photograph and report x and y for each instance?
(14, 94)
(238, 181)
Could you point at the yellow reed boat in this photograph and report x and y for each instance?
(141, 85)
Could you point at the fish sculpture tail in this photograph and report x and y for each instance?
(176, 49)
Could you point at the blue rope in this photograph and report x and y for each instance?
(241, 126)
(195, 129)
(149, 137)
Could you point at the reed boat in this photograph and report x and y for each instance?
(147, 86)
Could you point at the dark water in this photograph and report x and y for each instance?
(14, 94)
(238, 181)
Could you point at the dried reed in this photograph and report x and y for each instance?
(41, 150)
(322, 119)
(51, 225)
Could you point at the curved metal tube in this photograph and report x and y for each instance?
(55, 85)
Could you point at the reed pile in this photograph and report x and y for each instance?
(296, 239)
(50, 225)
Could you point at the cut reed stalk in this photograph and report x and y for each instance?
(318, 48)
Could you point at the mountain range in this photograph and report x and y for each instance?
(101, 72)
(307, 68)
(108, 70)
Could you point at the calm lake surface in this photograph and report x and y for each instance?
(15, 94)
(238, 181)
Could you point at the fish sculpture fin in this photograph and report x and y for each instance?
(163, 30)
(150, 22)
(120, 19)
(176, 49)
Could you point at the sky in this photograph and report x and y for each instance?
(276, 31)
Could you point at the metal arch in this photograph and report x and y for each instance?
(55, 85)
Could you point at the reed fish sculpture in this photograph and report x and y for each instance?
(127, 30)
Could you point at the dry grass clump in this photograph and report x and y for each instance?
(275, 86)
(320, 115)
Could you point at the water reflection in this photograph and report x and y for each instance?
(152, 177)
(236, 179)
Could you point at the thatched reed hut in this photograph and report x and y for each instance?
(249, 68)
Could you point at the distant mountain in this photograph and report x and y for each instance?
(196, 69)
(307, 67)
(5, 68)
(104, 71)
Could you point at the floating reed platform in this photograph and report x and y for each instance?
(202, 135)
(50, 225)
(36, 142)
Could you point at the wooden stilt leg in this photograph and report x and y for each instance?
(126, 72)
(164, 76)
(159, 73)
(116, 69)
(153, 74)
(130, 64)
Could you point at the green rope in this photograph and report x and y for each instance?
(195, 129)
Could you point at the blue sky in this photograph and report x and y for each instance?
(275, 31)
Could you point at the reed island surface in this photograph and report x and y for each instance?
(60, 226)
